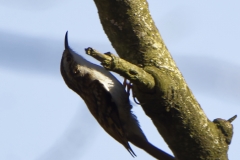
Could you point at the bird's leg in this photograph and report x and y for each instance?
(129, 87)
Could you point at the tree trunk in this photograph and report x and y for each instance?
(164, 96)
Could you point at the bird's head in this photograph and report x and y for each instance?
(73, 66)
(78, 72)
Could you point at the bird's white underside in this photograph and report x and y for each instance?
(98, 72)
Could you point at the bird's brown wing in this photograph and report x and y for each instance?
(107, 114)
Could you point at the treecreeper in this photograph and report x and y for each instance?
(107, 101)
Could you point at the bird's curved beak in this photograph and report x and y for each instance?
(66, 41)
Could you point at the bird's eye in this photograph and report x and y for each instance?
(69, 58)
(76, 71)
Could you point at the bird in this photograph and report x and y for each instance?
(107, 100)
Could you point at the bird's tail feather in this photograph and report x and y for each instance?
(150, 149)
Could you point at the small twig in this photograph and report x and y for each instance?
(232, 119)
(135, 74)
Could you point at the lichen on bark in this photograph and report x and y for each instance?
(172, 107)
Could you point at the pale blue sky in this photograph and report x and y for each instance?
(41, 119)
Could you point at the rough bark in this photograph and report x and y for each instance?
(168, 101)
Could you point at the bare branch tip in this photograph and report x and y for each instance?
(232, 119)
(88, 50)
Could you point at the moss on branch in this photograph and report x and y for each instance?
(172, 107)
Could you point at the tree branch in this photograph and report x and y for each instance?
(135, 74)
(172, 107)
